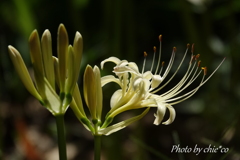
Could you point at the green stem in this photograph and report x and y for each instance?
(61, 137)
(97, 147)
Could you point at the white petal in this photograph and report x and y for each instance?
(133, 66)
(110, 59)
(118, 70)
(160, 113)
(146, 86)
(108, 79)
(151, 102)
(141, 84)
(147, 75)
(156, 80)
(172, 115)
(117, 95)
(123, 63)
(116, 127)
(137, 82)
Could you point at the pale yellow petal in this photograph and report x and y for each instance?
(116, 127)
(78, 49)
(117, 95)
(46, 42)
(107, 79)
(89, 90)
(56, 71)
(110, 59)
(23, 72)
(36, 58)
(99, 96)
(70, 82)
(171, 116)
(62, 49)
(156, 80)
(78, 100)
(161, 110)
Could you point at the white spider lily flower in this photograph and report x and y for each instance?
(48, 69)
(143, 89)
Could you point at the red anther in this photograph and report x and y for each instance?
(199, 63)
(192, 48)
(192, 58)
(205, 70)
(145, 54)
(197, 56)
(174, 49)
(160, 38)
(163, 63)
(154, 49)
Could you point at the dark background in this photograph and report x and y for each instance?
(124, 29)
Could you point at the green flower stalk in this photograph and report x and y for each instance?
(51, 73)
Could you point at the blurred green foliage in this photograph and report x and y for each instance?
(125, 29)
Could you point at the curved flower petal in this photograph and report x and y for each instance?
(151, 102)
(116, 127)
(172, 115)
(133, 66)
(123, 69)
(145, 84)
(160, 113)
(115, 97)
(122, 63)
(110, 59)
(107, 79)
(147, 75)
(156, 80)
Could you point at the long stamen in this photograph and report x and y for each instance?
(164, 76)
(154, 54)
(160, 52)
(205, 72)
(161, 68)
(170, 63)
(144, 62)
(177, 87)
(190, 93)
(178, 90)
